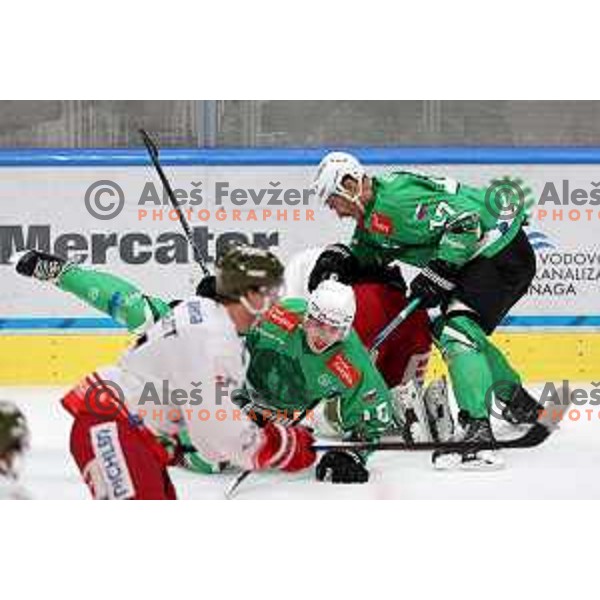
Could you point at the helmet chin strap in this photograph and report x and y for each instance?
(256, 312)
(353, 198)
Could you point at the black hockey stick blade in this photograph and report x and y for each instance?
(535, 436)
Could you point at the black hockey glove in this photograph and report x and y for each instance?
(434, 284)
(342, 466)
(207, 287)
(392, 275)
(337, 260)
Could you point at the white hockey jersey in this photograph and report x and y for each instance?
(297, 272)
(187, 366)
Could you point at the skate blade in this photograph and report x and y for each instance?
(478, 464)
(455, 462)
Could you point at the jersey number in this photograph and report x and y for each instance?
(382, 413)
(443, 212)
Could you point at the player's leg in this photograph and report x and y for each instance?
(405, 353)
(113, 296)
(116, 462)
(462, 343)
(117, 455)
(487, 289)
(403, 357)
(110, 294)
(519, 407)
(490, 288)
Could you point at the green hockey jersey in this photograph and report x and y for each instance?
(284, 374)
(415, 218)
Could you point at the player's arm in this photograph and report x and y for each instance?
(458, 245)
(364, 413)
(352, 264)
(217, 427)
(112, 295)
(455, 222)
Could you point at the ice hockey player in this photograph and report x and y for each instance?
(119, 441)
(305, 353)
(474, 265)
(380, 296)
(402, 359)
(136, 310)
(14, 443)
(128, 306)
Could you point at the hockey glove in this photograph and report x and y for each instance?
(286, 448)
(337, 260)
(342, 466)
(207, 287)
(434, 284)
(392, 275)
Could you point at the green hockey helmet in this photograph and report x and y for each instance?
(245, 268)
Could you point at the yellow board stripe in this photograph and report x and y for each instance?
(546, 356)
(55, 359)
(64, 359)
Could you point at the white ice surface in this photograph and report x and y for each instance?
(565, 466)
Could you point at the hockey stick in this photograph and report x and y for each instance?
(154, 157)
(381, 337)
(535, 436)
(235, 484)
(394, 323)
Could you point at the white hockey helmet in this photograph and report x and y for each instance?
(330, 314)
(331, 172)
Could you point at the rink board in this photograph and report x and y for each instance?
(49, 338)
(63, 359)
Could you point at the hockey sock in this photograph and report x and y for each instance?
(502, 371)
(462, 344)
